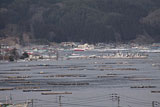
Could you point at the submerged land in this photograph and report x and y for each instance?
(106, 75)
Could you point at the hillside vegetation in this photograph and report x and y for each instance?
(81, 20)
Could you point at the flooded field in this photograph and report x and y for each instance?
(96, 82)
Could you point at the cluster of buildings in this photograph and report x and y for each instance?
(54, 51)
(41, 52)
(6, 52)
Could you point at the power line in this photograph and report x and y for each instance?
(131, 100)
(149, 105)
(88, 100)
(74, 104)
(74, 101)
(82, 101)
(135, 98)
(83, 105)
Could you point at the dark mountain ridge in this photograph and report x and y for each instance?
(81, 20)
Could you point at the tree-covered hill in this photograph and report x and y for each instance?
(80, 20)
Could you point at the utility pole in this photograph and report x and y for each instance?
(6, 100)
(31, 102)
(116, 97)
(10, 99)
(152, 103)
(1, 51)
(60, 104)
(57, 55)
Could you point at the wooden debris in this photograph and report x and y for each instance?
(106, 76)
(74, 83)
(18, 77)
(136, 78)
(5, 89)
(19, 70)
(9, 72)
(155, 91)
(67, 75)
(12, 79)
(19, 88)
(55, 93)
(23, 82)
(143, 86)
(35, 90)
(124, 69)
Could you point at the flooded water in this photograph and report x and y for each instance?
(89, 82)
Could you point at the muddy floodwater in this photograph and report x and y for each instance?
(87, 82)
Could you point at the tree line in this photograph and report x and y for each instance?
(80, 20)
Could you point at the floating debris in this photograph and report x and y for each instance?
(12, 79)
(74, 83)
(41, 72)
(20, 105)
(9, 72)
(35, 90)
(79, 69)
(55, 93)
(14, 105)
(67, 75)
(133, 78)
(127, 69)
(108, 75)
(18, 70)
(120, 55)
(138, 79)
(113, 74)
(20, 88)
(103, 66)
(17, 77)
(119, 69)
(6, 89)
(23, 82)
(143, 86)
(155, 91)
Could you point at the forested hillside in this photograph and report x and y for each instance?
(81, 20)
